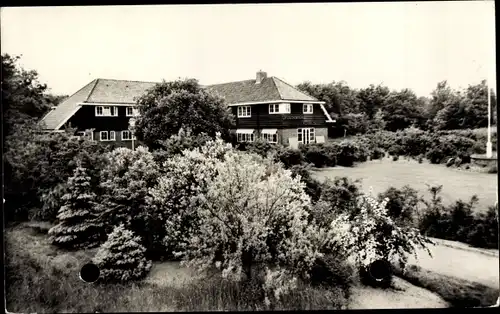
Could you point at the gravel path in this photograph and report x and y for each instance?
(404, 295)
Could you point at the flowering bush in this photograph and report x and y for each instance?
(372, 235)
(174, 197)
(121, 258)
(254, 212)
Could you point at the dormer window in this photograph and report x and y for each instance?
(106, 111)
(308, 108)
(244, 112)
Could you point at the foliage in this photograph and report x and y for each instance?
(371, 234)
(170, 106)
(402, 205)
(37, 163)
(79, 225)
(372, 99)
(260, 147)
(122, 258)
(174, 197)
(254, 212)
(289, 156)
(125, 181)
(401, 110)
(24, 98)
(313, 187)
(356, 123)
(176, 144)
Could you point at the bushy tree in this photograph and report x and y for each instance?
(254, 212)
(125, 180)
(174, 197)
(401, 110)
(122, 257)
(36, 163)
(356, 123)
(79, 224)
(170, 106)
(371, 234)
(372, 99)
(402, 206)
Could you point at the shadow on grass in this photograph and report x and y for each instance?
(457, 292)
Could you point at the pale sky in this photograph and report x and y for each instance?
(402, 45)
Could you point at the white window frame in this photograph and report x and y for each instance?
(245, 137)
(307, 108)
(106, 111)
(125, 132)
(279, 108)
(270, 138)
(274, 108)
(131, 114)
(100, 136)
(312, 135)
(244, 111)
(112, 136)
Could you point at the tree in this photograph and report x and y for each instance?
(79, 225)
(372, 99)
(338, 97)
(125, 180)
(476, 106)
(442, 96)
(452, 116)
(170, 106)
(356, 123)
(254, 213)
(122, 258)
(23, 96)
(401, 110)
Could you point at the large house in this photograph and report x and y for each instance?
(264, 107)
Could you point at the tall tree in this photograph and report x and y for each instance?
(372, 98)
(401, 110)
(441, 96)
(23, 96)
(476, 106)
(338, 97)
(170, 106)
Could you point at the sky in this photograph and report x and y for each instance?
(399, 44)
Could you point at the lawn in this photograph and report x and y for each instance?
(384, 173)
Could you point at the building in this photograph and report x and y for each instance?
(264, 107)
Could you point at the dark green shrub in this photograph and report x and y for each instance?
(377, 153)
(289, 157)
(337, 196)
(395, 158)
(316, 154)
(333, 271)
(484, 231)
(402, 205)
(313, 186)
(174, 145)
(347, 154)
(260, 147)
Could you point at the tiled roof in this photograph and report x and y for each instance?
(270, 89)
(97, 91)
(126, 92)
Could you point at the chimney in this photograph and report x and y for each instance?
(260, 77)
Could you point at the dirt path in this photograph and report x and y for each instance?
(465, 264)
(404, 295)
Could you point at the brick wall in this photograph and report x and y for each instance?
(285, 134)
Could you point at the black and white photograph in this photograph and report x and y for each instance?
(249, 157)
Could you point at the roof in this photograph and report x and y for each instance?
(270, 89)
(97, 91)
(126, 92)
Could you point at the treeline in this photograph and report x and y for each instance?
(378, 107)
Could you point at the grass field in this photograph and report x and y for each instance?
(382, 174)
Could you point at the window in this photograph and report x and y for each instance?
(126, 135)
(271, 138)
(245, 137)
(98, 111)
(274, 108)
(306, 135)
(308, 108)
(131, 111)
(104, 136)
(244, 111)
(279, 108)
(111, 135)
(106, 111)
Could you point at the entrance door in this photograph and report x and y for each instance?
(306, 135)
